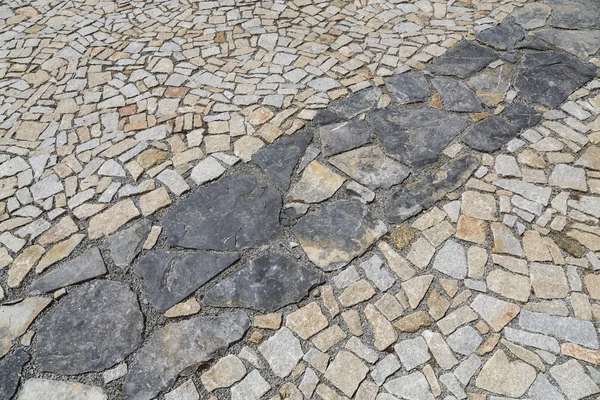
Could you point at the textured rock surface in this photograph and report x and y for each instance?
(10, 372)
(344, 136)
(47, 389)
(410, 87)
(456, 95)
(463, 60)
(503, 36)
(490, 134)
(125, 245)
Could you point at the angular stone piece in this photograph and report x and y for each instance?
(452, 260)
(227, 371)
(414, 197)
(501, 376)
(34, 389)
(440, 349)
(548, 281)
(344, 136)
(125, 245)
(580, 14)
(503, 36)
(171, 276)
(346, 372)
(465, 340)
(497, 313)
(112, 219)
(337, 233)
(279, 159)
(384, 333)
(307, 321)
(490, 134)
(539, 194)
(318, 183)
(371, 167)
(492, 84)
(93, 328)
(412, 387)
(357, 103)
(412, 352)
(573, 380)
(282, 351)
(548, 78)
(507, 284)
(410, 87)
(521, 115)
(177, 346)
(532, 15)
(253, 387)
(505, 242)
(463, 60)
(456, 95)
(266, 283)
(563, 328)
(10, 372)
(416, 136)
(16, 318)
(87, 266)
(582, 43)
(236, 212)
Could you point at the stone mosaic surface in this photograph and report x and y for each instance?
(300, 200)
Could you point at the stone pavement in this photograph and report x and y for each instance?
(304, 199)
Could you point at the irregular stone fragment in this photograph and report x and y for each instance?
(338, 232)
(491, 85)
(171, 276)
(490, 134)
(234, 213)
(590, 158)
(501, 376)
(112, 219)
(177, 346)
(412, 352)
(279, 159)
(357, 103)
(440, 349)
(266, 283)
(383, 332)
(592, 284)
(125, 245)
(532, 15)
(356, 292)
(504, 240)
(542, 389)
(548, 78)
(410, 87)
(331, 336)
(346, 372)
(503, 36)
(413, 387)
(307, 321)
(317, 183)
(463, 60)
(548, 281)
(370, 166)
(460, 316)
(183, 309)
(57, 253)
(96, 326)
(512, 286)
(87, 266)
(377, 273)
(497, 313)
(47, 389)
(185, 391)
(384, 368)
(366, 353)
(10, 372)
(456, 95)
(587, 204)
(413, 322)
(154, 201)
(522, 116)
(568, 177)
(227, 371)
(583, 43)
(542, 342)
(415, 289)
(61, 230)
(253, 387)
(344, 136)
(282, 351)
(16, 318)
(452, 260)
(22, 264)
(416, 136)
(563, 328)
(573, 380)
(539, 194)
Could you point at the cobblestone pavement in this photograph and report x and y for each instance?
(300, 200)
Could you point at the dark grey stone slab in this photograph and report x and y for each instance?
(126, 244)
(503, 36)
(236, 212)
(549, 78)
(279, 159)
(178, 346)
(410, 87)
(522, 116)
(10, 372)
(266, 283)
(92, 328)
(490, 134)
(456, 95)
(412, 198)
(583, 43)
(575, 14)
(533, 44)
(171, 276)
(87, 266)
(416, 136)
(357, 103)
(371, 167)
(344, 136)
(326, 117)
(463, 60)
(337, 233)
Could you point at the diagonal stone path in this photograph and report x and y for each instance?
(435, 237)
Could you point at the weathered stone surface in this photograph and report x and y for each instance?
(93, 328)
(463, 60)
(573, 380)
(532, 15)
(507, 284)
(318, 183)
(338, 232)
(539, 194)
(422, 194)
(227, 371)
(590, 158)
(234, 213)
(490, 134)
(416, 136)
(521, 115)
(492, 84)
(171, 276)
(501, 376)
(548, 78)
(581, 14)
(253, 387)
(542, 342)
(384, 333)
(440, 349)
(346, 372)
(177, 346)
(465, 340)
(410, 87)
(412, 352)
(185, 391)
(356, 292)
(503, 36)
(112, 219)
(452, 260)
(413, 386)
(568, 177)
(504, 241)
(371, 167)
(548, 281)
(279, 159)
(583, 44)
(497, 313)
(16, 318)
(307, 321)
(125, 245)
(456, 95)
(266, 283)
(357, 103)
(82, 268)
(344, 136)
(542, 389)
(563, 328)
(282, 351)
(10, 372)
(34, 389)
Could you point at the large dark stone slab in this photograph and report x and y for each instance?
(503, 36)
(463, 60)
(357, 103)
(326, 116)
(171, 276)
(490, 134)
(549, 78)
(279, 159)
(412, 198)
(10, 372)
(581, 43)
(266, 283)
(410, 87)
(87, 266)
(344, 136)
(91, 329)
(126, 244)
(456, 95)
(236, 212)
(522, 116)
(337, 233)
(575, 14)
(416, 136)
(178, 346)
